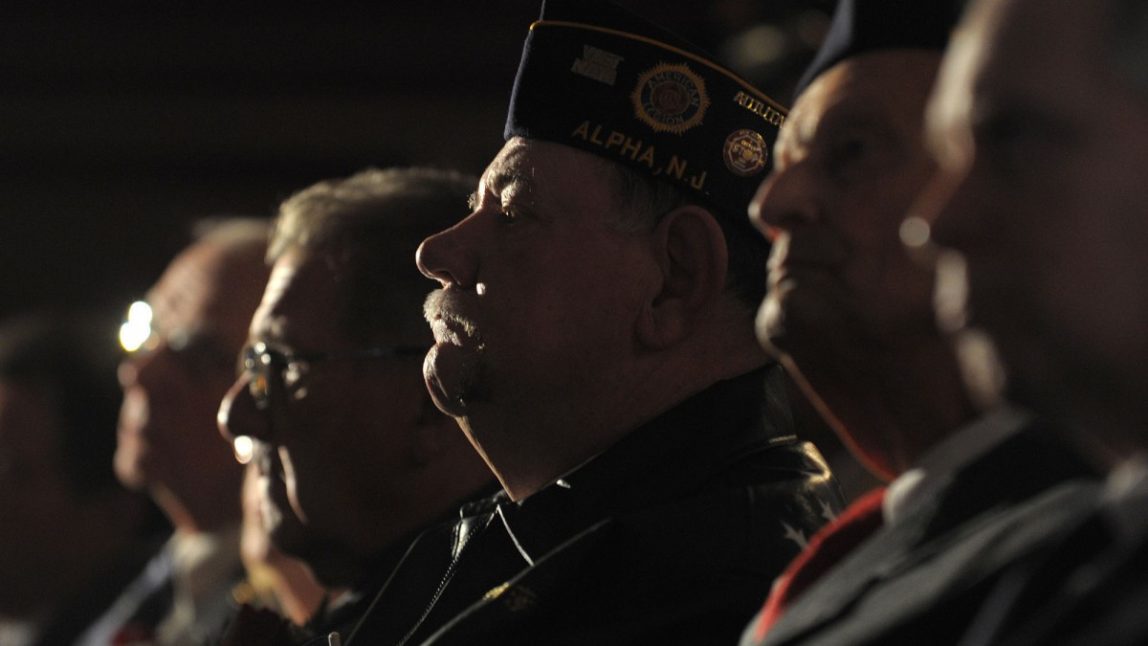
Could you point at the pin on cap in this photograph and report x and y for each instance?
(599, 78)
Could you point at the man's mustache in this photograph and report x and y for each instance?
(455, 309)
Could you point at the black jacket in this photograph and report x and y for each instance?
(922, 580)
(674, 533)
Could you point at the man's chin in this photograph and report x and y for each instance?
(769, 326)
(131, 470)
(449, 371)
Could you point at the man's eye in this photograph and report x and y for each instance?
(509, 214)
(846, 156)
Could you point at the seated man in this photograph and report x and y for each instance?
(594, 341)
(353, 458)
(852, 316)
(182, 345)
(1042, 151)
(72, 536)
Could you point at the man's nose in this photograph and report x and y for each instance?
(238, 415)
(785, 199)
(449, 255)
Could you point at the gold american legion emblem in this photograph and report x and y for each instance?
(745, 152)
(670, 98)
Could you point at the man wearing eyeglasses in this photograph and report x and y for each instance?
(182, 345)
(353, 457)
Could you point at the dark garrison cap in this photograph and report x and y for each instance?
(861, 26)
(597, 77)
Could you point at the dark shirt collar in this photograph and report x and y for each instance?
(665, 459)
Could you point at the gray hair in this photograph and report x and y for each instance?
(646, 199)
(367, 227)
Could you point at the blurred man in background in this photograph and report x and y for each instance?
(1042, 151)
(851, 313)
(183, 343)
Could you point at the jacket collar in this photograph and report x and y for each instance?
(667, 458)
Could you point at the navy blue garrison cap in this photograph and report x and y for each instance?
(597, 77)
(861, 26)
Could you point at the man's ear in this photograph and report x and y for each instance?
(690, 251)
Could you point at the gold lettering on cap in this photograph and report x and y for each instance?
(625, 146)
(771, 115)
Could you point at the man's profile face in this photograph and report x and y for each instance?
(335, 448)
(849, 162)
(539, 295)
(1042, 150)
(166, 433)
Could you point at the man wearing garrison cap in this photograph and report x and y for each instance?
(974, 484)
(594, 341)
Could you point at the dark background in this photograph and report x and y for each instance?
(123, 122)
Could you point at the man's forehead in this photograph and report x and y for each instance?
(832, 96)
(186, 295)
(1029, 50)
(517, 164)
(299, 302)
(951, 103)
(538, 164)
(861, 91)
(268, 320)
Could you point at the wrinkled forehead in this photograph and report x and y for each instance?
(516, 164)
(543, 168)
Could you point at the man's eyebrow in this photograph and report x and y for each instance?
(499, 180)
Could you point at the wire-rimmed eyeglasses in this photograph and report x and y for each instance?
(266, 367)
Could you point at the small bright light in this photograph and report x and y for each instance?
(137, 328)
(480, 289)
(244, 449)
(914, 232)
(140, 311)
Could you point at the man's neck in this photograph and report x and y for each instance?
(898, 403)
(652, 387)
